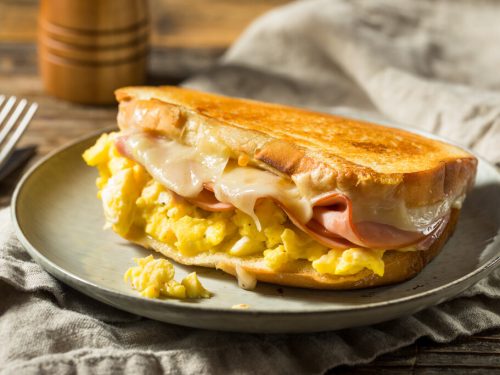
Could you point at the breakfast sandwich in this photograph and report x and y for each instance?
(274, 193)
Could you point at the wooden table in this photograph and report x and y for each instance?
(189, 36)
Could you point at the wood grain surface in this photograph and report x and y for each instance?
(188, 37)
(176, 23)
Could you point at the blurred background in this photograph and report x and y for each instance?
(186, 35)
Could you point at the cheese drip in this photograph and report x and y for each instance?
(180, 168)
(187, 169)
(243, 186)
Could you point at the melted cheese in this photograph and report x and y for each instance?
(387, 209)
(186, 170)
(245, 280)
(182, 169)
(243, 186)
(394, 212)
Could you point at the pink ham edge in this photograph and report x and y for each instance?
(331, 227)
(122, 147)
(207, 201)
(333, 213)
(334, 227)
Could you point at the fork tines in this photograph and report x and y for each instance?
(16, 115)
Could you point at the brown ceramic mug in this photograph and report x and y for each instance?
(89, 48)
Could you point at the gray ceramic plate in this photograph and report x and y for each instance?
(59, 220)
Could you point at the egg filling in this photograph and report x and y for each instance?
(154, 278)
(135, 204)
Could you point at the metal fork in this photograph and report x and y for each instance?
(16, 123)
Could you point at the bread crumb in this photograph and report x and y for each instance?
(243, 160)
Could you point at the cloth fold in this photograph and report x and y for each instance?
(429, 64)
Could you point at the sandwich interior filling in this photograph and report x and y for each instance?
(201, 199)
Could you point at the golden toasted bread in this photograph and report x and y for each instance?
(324, 151)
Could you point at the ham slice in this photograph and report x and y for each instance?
(332, 220)
(332, 224)
(207, 201)
(122, 147)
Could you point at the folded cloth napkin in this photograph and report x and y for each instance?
(430, 64)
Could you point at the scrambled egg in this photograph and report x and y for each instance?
(155, 277)
(136, 204)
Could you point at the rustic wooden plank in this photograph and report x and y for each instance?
(404, 357)
(473, 345)
(18, 59)
(375, 370)
(458, 359)
(56, 121)
(468, 355)
(166, 64)
(18, 20)
(417, 370)
(176, 23)
(468, 351)
(492, 335)
(487, 342)
(192, 23)
(454, 371)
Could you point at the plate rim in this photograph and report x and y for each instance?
(60, 273)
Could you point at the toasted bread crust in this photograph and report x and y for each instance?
(399, 266)
(324, 151)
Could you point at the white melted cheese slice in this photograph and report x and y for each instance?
(186, 170)
(394, 212)
(180, 168)
(243, 186)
